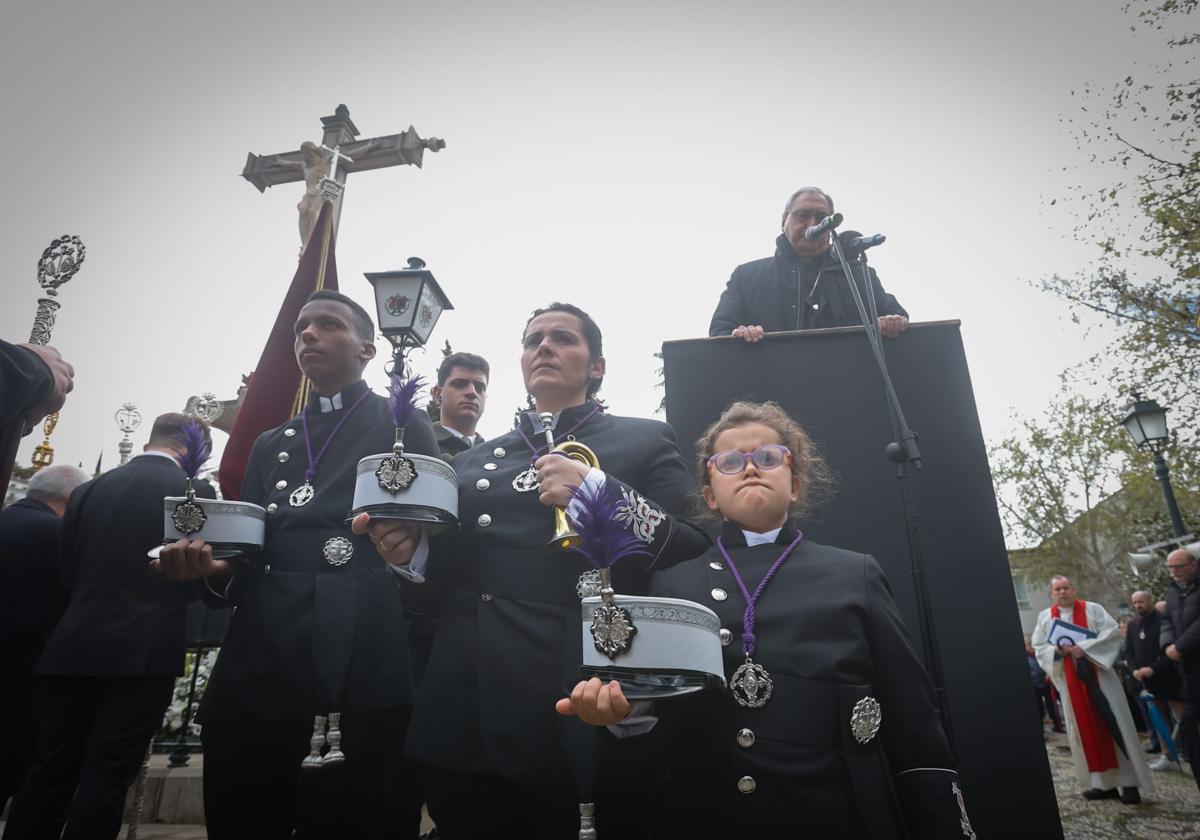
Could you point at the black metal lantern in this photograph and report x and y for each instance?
(408, 303)
(1146, 422)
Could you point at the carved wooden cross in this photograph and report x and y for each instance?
(348, 154)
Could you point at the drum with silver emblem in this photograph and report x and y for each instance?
(231, 528)
(678, 649)
(431, 498)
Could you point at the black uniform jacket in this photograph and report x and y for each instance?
(788, 292)
(25, 380)
(449, 443)
(1181, 625)
(123, 619)
(32, 595)
(1144, 651)
(829, 634)
(309, 637)
(509, 636)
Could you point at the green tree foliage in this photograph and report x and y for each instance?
(1145, 222)
(1074, 489)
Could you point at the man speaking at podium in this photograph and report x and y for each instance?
(802, 287)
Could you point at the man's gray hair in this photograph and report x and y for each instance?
(55, 483)
(1060, 577)
(802, 191)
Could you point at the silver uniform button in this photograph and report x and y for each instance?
(280, 484)
(289, 432)
(482, 484)
(726, 636)
(716, 566)
(745, 738)
(719, 594)
(489, 466)
(283, 456)
(271, 508)
(486, 596)
(499, 452)
(484, 520)
(746, 784)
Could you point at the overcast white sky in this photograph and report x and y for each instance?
(624, 156)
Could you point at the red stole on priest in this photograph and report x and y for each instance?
(1097, 741)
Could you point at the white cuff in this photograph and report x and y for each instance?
(414, 570)
(593, 484)
(641, 720)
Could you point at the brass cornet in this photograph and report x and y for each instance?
(565, 536)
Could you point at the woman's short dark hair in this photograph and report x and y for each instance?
(591, 334)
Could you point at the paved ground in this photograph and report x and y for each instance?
(1172, 812)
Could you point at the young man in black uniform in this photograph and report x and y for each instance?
(319, 627)
(461, 394)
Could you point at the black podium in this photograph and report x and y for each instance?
(829, 382)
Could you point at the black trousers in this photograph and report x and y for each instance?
(1189, 724)
(21, 704)
(93, 740)
(254, 787)
(1045, 700)
(472, 806)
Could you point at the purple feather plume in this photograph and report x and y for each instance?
(197, 448)
(402, 398)
(602, 520)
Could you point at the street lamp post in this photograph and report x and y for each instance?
(1146, 422)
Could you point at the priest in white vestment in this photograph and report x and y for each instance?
(1101, 765)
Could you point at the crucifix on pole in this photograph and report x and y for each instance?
(324, 166)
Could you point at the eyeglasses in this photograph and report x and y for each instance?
(805, 215)
(1182, 565)
(766, 457)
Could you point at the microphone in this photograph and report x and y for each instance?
(854, 243)
(828, 223)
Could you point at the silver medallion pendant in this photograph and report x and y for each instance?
(865, 718)
(188, 517)
(302, 495)
(338, 551)
(396, 473)
(612, 630)
(588, 584)
(751, 685)
(526, 481)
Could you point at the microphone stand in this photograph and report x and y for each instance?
(902, 451)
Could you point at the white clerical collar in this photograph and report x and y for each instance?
(471, 439)
(753, 538)
(329, 404)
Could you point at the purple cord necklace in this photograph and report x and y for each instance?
(303, 494)
(527, 480)
(751, 685)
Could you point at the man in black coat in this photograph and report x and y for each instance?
(1180, 640)
(802, 287)
(32, 599)
(461, 394)
(319, 627)
(110, 664)
(1147, 663)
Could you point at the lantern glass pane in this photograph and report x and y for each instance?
(428, 310)
(1154, 424)
(395, 300)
